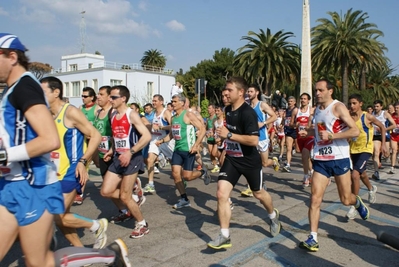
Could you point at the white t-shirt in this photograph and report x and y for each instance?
(175, 91)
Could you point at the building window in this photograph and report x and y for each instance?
(73, 67)
(150, 89)
(67, 89)
(94, 84)
(75, 88)
(115, 82)
(84, 83)
(90, 65)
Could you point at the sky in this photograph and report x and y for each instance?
(186, 31)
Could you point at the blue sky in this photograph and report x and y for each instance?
(186, 31)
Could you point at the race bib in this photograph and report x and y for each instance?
(233, 149)
(396, 130)
(122, 144)
(176, 131)
(156, 132)
(55, 157)
(104, 145)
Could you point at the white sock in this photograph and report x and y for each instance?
(151, 182)
(225, 232)
(272, 215)
(142, 222)
(95, 226)
(314, 235)
(124, 211)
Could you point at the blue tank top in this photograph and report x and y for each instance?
(261, 118)
(15, 130)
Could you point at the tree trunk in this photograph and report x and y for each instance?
(362, 81)
(344, 67)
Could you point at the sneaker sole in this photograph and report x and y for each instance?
(104, 242)
(143, 201)
(185, 206)
(124, 252)
(221, 246)
(368, 211)
(312, 249)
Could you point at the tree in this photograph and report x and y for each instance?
(270, 56)
(343, 43)
(153, 58)
(97, 53)
(39, 69)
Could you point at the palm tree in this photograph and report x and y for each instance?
(343, 43)
(153, 59)
(384, 86)
(270, 56)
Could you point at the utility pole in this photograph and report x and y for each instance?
(306, 61)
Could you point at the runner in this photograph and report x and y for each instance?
(210, 137)
(242, 137)
(394, 138)
(130, 137)
(289, 132)
(333, 126)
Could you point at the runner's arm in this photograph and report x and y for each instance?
(142, 129)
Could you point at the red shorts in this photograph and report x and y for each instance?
(395, 137)
(306, 142)
(271, 130)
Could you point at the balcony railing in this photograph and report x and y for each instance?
(112, 65)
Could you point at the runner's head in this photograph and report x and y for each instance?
(119, 96)
(103, 95)
(355, 102)
(253, 92)
(52, 87)
(178, 102)
(157, 101)
(324, 91)
(88, 96)
(305, 99)
(236, 88)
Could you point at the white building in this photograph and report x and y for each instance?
(81, 70)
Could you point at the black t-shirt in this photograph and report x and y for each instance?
(27, 93)
(242, 121)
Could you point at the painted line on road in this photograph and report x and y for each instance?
(263, 246)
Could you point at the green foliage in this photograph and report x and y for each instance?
(153, 58)
(204, 108)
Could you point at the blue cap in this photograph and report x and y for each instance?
(10, 41)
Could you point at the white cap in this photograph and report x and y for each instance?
(277, 91)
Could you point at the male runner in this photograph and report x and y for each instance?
(289, 131)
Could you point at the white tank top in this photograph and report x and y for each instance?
(160, 121)
(330, 149)
(303, 118)
(382, 119)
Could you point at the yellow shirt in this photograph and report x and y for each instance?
(364, 142)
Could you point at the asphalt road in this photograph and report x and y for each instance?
(179, 237)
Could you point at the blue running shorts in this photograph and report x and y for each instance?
(332, 167)
(28, 202)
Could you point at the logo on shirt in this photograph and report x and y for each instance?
(30, 214)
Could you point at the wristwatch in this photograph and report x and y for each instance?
(132, 152)
(229, 135)
(84, 161)
(3, 157)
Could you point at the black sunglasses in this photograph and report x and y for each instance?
(85, 96)
(113, 97)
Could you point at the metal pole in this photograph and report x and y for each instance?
(306, 62)
(199, 92)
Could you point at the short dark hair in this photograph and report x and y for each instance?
(135, 105)
(160, 97)
(239, 82)
(378, 102)
(147, 105)
(370, 107)
(356, 96)
(257, 88)
(53, 83)
(106, 87)
(123, 91)
(91, 92)
(329, 85)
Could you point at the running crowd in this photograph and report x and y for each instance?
(47, 145)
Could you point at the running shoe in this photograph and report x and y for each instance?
(372, 194)
(352, 213)
(376, 176)
(199, 168)
(247, 193)
(149, 188)
(206, 176)
(215, 169)
(141, 200)
(121, 253)
(276, 164)
(139, 231)
(362, 209)
(275, 225)
(392, 170)
(220, 242)
(305, 181)
(78, 200)
(161, 160)
(121, 217)
(287, 168)
(156, 170)
(101, 236)
(182, 204)
(310, 244)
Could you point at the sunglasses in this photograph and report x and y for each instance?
(85, 96)
(114, 97)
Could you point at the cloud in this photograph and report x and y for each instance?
(170, 57)
(176, 26)
(143, 6)
(105, 17)
(3, 12)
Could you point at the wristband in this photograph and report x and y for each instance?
(132, 152)
(84, 161)
(17, 153)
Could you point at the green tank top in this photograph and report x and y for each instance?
(209, 123)
(89, 113)
(183, 133)
(104, 127)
